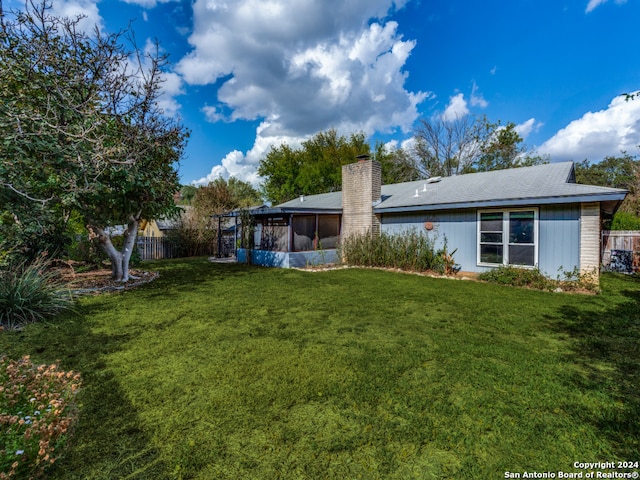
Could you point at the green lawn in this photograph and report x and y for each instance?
(238, 372)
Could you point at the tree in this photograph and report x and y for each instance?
(198, 229)
(187, 192)
(504, 149)
(616, 172)
(315, 168)
(81, 126)
(468, 144)
(396, 164)
(243, 193)
(450, 147)
(501, 151)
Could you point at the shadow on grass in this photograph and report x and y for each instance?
(191, 275)
(606, 348)
(109, 429)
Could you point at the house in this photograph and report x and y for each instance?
(161, 227)
(531, 216)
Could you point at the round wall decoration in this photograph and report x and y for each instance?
(428, 226)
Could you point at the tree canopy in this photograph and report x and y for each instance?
(81, 127)
(314, 168)
(617, 172)
(445, 147)
(224, 195)
(441, 148)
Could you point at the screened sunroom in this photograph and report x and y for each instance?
(286, 237)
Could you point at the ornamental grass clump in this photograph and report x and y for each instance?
(37, 413)
(408, 250)
(30, 292)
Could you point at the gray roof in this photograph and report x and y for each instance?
(323, 201)
(540, 184)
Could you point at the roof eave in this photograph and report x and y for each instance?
(618, 197)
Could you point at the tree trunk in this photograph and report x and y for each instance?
(119, 260)
(127, 247)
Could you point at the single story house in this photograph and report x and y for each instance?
(531, 216)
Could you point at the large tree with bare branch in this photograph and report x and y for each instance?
(445, 147)
(81, 128)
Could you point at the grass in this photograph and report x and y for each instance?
(232, 371)
(30, 292)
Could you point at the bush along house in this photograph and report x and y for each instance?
(529, 217)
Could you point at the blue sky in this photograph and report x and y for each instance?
(248, 74)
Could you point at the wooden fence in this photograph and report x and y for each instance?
(159, 248)
(621, 250)
(156, 248)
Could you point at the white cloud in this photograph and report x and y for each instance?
(598, 134)
(244, 166)
(524, 129)
(88, 9)
(147, 3)
(302, 66)
(477, 100)
(172, 86)
(171, 83)
(595, 3)
(456, 109)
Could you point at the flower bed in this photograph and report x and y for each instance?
(37, 413)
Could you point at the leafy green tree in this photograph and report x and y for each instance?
(315, 168)
(505, 149)
(198, 231)
(81, 128)
(616, 172)
(243, 193)
(222, 196)
(397, 164)
(187, 192)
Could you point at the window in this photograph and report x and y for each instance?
(508, 237)
(304, 232)
(328, 231)
(274, 235)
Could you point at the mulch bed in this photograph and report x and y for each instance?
(98, 281)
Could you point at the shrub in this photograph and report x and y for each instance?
(625, 221)
(408, 250)
(87, 251)
(533, 278)
(519, 277)
(30, 292)
(37, 415)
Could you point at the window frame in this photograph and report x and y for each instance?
(506, 214)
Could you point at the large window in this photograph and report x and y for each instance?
(275, 234)
(304, 232)
(328, 231)
(508, 237)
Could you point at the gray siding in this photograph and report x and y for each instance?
(457, 226)
(558, 235)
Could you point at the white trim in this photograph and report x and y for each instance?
(505, 235)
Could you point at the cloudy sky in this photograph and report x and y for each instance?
(248, 74)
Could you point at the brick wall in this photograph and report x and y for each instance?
(361, 185)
